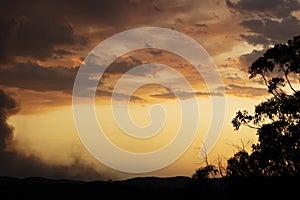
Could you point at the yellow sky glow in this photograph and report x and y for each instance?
(48, 134)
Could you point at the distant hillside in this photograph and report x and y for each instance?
(154, 187)
(179, 182)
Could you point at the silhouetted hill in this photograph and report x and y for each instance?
(152, 187)
(179, 182)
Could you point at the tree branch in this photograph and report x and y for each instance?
(250, 126)
(289, 82)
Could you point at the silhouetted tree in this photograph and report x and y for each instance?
(208, 171)
(277, 119)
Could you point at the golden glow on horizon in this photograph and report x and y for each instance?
(45, 135)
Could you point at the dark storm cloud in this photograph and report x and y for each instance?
(276, 31)
(35, 36)
(15, 164)
(38, 28)
(247, 59)
(269, 21)
(34, 77)
(122, 66)
(269, 8)
(6, 39)
(63, 52)
(90, 12)
(256, 39)
(108, 12)
(8, 107)
(35, 28)
(18, 165)
(31, 76)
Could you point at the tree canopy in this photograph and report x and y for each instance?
(276, 119)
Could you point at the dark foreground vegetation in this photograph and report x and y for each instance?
(152, 187)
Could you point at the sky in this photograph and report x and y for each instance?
(45, 44)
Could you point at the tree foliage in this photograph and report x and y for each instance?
(208, 171)
(277, 119)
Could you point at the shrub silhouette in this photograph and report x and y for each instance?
(209, 171)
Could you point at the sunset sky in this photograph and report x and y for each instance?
(44, 43)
